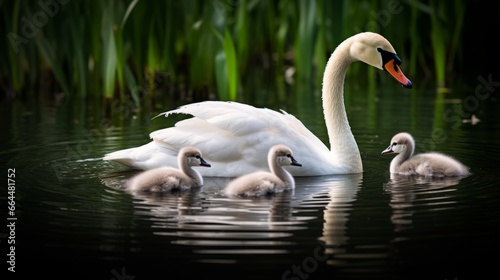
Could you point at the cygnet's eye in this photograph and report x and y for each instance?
(197, 156)
(289, 155)
(394, 144)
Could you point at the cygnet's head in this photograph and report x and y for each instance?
(375, 50)
(283, 156)
(192, 156)
(400, 143)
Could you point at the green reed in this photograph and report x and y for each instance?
(118, 49)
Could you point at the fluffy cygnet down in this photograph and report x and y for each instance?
(427, 164)
(263, 183)
(164, 179)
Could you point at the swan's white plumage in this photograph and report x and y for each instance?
(256, 128)
(235, 137)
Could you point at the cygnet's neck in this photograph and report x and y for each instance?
(189, 171)
(342, 143)
(402, 157)
(279, 171)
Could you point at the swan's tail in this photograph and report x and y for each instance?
(123, 157)
(147, 156)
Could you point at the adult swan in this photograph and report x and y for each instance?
(235, 138)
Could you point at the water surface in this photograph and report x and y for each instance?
(75, 220)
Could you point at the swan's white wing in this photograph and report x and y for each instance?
(224, 128)
(233, 137)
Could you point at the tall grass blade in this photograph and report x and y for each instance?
(438, 44)
(130, 7)
(15, 49)
(132, 85)
(49, 51)
(304, 42)
(109, 50)
(221, 75)
(232, 66)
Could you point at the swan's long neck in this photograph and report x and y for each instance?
(342, 143)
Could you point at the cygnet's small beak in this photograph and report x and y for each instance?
(388, 151)
(294, 162)
(204, 163)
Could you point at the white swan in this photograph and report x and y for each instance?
(426, 164)
(262, 183)
(164, 179)
(235, 137)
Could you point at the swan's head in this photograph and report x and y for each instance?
(192, 156)
(400, 143)
(283, 155)
(375, 50)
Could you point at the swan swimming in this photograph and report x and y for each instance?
(427, 164)
(236, 137)
(261, 182)
(166, 178)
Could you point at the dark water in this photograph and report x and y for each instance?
(74, 220)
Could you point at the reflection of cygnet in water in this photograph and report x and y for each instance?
(261, 183)
(426, 164)
(164, 179)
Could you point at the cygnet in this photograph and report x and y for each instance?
(263, 183)
(427, 164)
(164, 179)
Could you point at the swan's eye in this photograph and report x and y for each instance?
(379, 49)
(394, 144)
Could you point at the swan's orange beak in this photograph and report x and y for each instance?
(390, 63)
(393, 68)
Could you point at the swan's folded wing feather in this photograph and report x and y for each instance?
(215, 144)
(229, 131)
(242, 119)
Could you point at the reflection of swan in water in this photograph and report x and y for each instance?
(204, 217)
(200, 213)
(406, 191)
(173, 206)
(340, 196)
